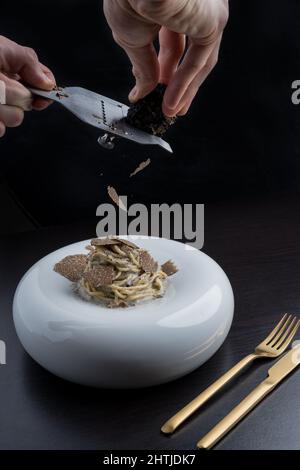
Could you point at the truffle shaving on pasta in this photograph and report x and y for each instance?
(116, 272)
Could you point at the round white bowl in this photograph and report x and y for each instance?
(148, 344)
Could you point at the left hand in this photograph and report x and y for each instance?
(20, 63)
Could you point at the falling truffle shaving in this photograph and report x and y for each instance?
(169, 268)
(72, 267)
(141, 167)
(118, 274)
(147, 114)
(115, 197)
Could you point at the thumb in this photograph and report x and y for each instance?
(37, 75)
(23, 61)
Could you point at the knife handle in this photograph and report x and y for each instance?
(195, 404)
(236, 415)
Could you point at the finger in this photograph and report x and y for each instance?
(188, 97)
(35, 73)
(2, 129)
(193, 62)
(39, 104)
(185, 103)
(145, 68)
(172, 46)
(48, 72)
(35, 76)
(16, 94)
(24, 62)
(135, 35)
(13, 76)
(11, 116)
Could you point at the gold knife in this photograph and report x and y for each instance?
(275, 375)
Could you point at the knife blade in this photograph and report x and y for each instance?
(276, 374)
(285, 365)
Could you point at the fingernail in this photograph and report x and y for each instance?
(46, 79)
(168, 111)
(170, 106)
(133, 93)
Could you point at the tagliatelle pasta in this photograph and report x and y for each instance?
(117, 272)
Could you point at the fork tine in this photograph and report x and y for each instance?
(282, 329)
(277, 327)
(288, 340)
(281, 335)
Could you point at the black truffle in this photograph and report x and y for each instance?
(146, 114)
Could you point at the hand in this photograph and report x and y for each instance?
(136, 23)
(20, 63)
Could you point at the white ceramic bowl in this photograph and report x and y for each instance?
(148, 344)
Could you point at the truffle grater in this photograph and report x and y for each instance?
(103, 113)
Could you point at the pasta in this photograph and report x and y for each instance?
(117, 273)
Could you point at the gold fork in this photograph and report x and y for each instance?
(273, 346)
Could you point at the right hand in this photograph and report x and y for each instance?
(136, 23)
(20, 63)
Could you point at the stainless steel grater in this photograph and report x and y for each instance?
(103, 113)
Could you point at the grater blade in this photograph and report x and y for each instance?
(103, 113)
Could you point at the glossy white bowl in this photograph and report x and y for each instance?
(148, 344)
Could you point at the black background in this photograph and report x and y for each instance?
(240, 138)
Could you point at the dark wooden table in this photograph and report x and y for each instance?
(257, 243)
